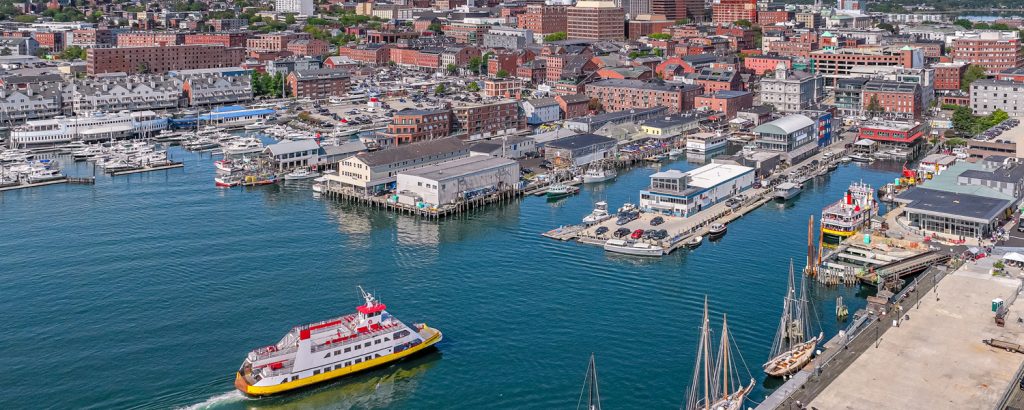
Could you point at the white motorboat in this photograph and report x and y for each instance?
(258, 125)
(44, 175)
(600, 213)
(318, 185)
(243, 146)
(717, 230)
(787, 190)
(704, 142)
(595, 175)
(694, 242)
(301, 173)
(636, 248)
(675, 153)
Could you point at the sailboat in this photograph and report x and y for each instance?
(722, 390)
(791, 351)
(590, 388)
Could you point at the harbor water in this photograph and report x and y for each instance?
(147, 291)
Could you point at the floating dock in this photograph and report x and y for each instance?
(139, 170)
(33, 184)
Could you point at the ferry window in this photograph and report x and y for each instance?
(284, 380)
(376, 341)
(369, 357)
(327, 355)
(367, 344)
(348, 363)
(337, 352)
(386, 339)
(358, 360)
(348, 349)
(317, 371)
(294, 378)
(358, 347)
(337, 366)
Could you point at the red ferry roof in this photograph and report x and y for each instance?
(367, 310)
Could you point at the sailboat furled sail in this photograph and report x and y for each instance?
(590, 391)
(716, 384)
(791, 349)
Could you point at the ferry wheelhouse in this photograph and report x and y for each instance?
(333, 348)
(99, 127)
(848, 215)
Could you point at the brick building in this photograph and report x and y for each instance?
(54, 41)
(713, 80)
(993, 50)
(618, 95)
(1009, 74)
(482, 120)
(895, 99)
(367, 53)
(312, 47)
(728, 11)
(760, 65)
(573, 105)
(411, 125)
(726, 102)
(161, 59)
(596, 20)
(273, 42)
(317, 84)
(148, 38)
(544, 19)
(948, 75)
(770, 17)
(90, 38)
(679, 9)
(234, 39)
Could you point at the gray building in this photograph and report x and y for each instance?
(18, 46)
(989, 95)
(510, 38)
(287, 65)
(792, 136)
(580, 149)
(123, 92)
(593, 123)
(792, 91)
(214, 89)
(848, 96)
(541, 110)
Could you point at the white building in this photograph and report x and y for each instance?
(457, 180)
(684, 194)
(513, 146)
(792, 91)
(300, 7)
(377, 171)
(120, 92)
(988, 95)
(541, 110)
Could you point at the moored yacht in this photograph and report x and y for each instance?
(595, 175)
(333, 348)
(787, 190)
(600, 213)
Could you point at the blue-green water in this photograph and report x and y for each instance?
(146, 291)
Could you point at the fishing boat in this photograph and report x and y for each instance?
(300, 174)
(333, 348)
(847, 216)
(595, 175)
(590, 389)
(860, 158)
(716, 373)
(256, 180)
(634, 248)
(792, 350)
(226, 182)
(787, 190)
(600, 213)
(717, 230)
(319, 184)
(559, 190)
(694, 242)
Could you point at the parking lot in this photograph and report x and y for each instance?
(672, 225)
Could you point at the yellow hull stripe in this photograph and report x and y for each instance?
(345, 371)
(837, 233)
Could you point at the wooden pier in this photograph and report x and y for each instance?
(431, 213)
(171, 165)
(33, 184)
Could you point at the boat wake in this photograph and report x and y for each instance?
(213, 402)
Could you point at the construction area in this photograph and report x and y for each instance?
(934, 355)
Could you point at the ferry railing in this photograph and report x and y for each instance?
(321, 347)
(255, 357)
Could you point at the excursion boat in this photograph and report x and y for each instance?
(595, 175)
(704, 142)
(333, 348)
(791, 350)
(716, 383)
(636, 248)
(600, 213)
(787, 190)
(848, 215)
(559, 190)
(258, 125)
(87, 128)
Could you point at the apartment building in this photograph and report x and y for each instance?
(618, 95)
(161, 59)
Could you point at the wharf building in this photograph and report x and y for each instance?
(967, 199)
(414, 125)
(685, 194)
(473, 121)
(512, 146)
(579, 150)
(319, 84)
(793, 137)
(119, 93)
(905, 136)
(592, 123)
(372, 173)
(159, 60)
(209, 89)
(457, 180)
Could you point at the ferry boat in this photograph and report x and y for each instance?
(636, 248)
(848, 215)
(704, 142)
(595, 175)
(87, 128)
(333, 348)
(787, 190)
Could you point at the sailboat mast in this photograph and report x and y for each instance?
(705, 339)
(810, 246)
(725, 357)
(595, 395)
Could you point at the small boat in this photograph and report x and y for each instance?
(258, 125)
(226, 182)
(45, 175)
(675, 153)
(319, 184)
(559, 190)
(226, 165)
(786, 191)
(845, 160)
(636, 248)
(694, 242)
(243, 146)
(595, 175)
(860, 158)
(255, 180)
(717, 231)
(600, 213)
(301, 173)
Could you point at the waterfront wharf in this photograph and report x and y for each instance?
(26, 184)
(171, 165)
(432, 213)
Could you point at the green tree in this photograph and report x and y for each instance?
(999, 26)
(743, 23)
(887, 27)
(964, 23)
(142, 68)
(874, 106)
(451, 69)
(682, 22)
(6, 51)
(289, 19)
(981, 26)
(501, 74)
(439, 90)
(435, 27)
(557, 36)
(659, 36)
(963, 120)
(475, 63)
(25, 18)
(41, 52)
(973, 72)
(473, 87)
(73, 53)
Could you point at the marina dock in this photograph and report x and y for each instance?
(33, 184)
(171, 165)
(435, 213)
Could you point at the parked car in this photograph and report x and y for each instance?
(621, 232)
(601, 230)
(1020, 226)
(657, 221)
(637, 234)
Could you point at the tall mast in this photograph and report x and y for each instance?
(705, 338)
(725, 357)
(590, 387)
(810, 246)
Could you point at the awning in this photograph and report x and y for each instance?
(1014, 256)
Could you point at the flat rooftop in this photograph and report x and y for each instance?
(713, 174)
(459, 167)
(936, 360)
